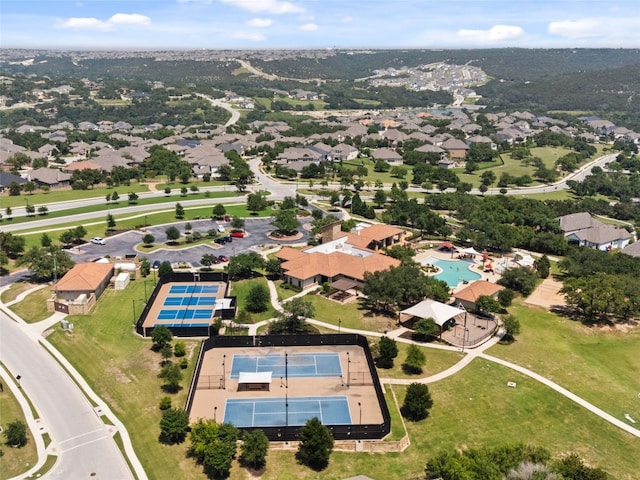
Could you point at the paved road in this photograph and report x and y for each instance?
(83, 442)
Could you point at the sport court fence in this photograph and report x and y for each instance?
(185, 277)
(291, 433)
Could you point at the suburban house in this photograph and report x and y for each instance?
(586, 231)
(633, 249)
(386, 154)
(7, 179)
(467, 297)
(341, 256)
(80, 288)
(457, 149)
(51, 177)
(344, 152)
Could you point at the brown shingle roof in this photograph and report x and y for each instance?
(337, 263)
(84, 277)
(477, 289)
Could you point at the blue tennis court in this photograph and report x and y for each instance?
(188, 301)
(276, 412)
(300, 365)
(184, 314)
(176, 289)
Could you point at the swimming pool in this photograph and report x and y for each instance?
(454, 271)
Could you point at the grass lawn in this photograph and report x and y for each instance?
(123, 370)
(351, 315)
(241, 290)
(15, 460)
(437, 361)
(14, 290)
(284, 293)
(34, 307)
(602, 365)
(384, 177)
(476, 408)
(66, 194)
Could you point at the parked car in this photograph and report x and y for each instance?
(156, 264)
(215, 260)
(227, 218)
(237, 234)
(221, 228)
(222, 258)
(98, 241)
(223, 240)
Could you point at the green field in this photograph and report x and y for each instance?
(241, 290)
(349, 315)
(123, 370)
(34, 307)
(604, 362)
(66, 195)
(15, 460)
(472, 408)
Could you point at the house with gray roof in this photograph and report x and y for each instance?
(386, 154)
(7, 179)
(586, 231)
(632, 249)
(51, 177)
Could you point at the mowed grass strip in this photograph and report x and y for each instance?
(34, 306)
(15, 460)
(437, 361)
(123, 370)
(476, 408)
(601, 364)
(349, 315)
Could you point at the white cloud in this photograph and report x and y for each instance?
(253, 36)
(586, 27)
(275, 7)
(347, 19)
(130, 19)
(497, 33)
(85, 23)
(91, 23)
(259, 22)
(308, 27)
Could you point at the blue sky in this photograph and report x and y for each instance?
(252, 24)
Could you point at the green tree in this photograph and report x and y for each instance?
(148, 239)
(387, 351)
(43, 210)
(16, 433)
(292, 318)
(220, 453)
(243, 264)
(14, 189)
(273, 267)
(415, 360)
(171, 375)
(179, 349)
(543, 266)
(165, 268)
(133, 197)
(45, 240)
(237, 223)
(111, 222)
(219, 211)
(254, 449)
(512, 328)
(520, 280)
(46, 263)
(316, 445)
(174, 426)
(417, 402)
(487, 304)
(179, 211)
(285, 221)
(572, 467)
(160, 336)
(380, 198)
(207, 260)
(505, 297)
(258, 298)
(115, 197)
(425, 329)
(256, 202)
(145, 267)
(172, 233)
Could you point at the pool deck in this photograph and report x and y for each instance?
(444, 255)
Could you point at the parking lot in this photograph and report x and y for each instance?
(124, 244)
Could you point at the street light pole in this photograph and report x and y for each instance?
(224, 381)
(360, 420)
(348, 369)
(215, 412)
(339, 323)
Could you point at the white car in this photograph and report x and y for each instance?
(98, 241)
(221, 228)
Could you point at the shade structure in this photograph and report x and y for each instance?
(448, 245)
(254, 377)
(440, 312)
(343, 284)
